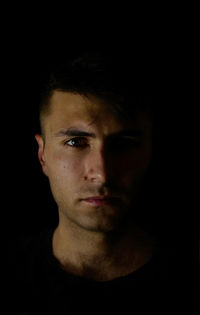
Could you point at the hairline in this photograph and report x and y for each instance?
(45, 106)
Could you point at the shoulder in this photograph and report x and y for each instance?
(26, 257)
(25, 243)
(27, 249)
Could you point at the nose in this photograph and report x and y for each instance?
(95, 167)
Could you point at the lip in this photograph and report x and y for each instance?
(99, 200)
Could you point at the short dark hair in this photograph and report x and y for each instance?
(109, 76)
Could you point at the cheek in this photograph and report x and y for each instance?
(133, 162)
(64, 175)
(134, 167)
(65, 167)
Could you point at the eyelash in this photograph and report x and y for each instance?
(122, 143)
(80, 139)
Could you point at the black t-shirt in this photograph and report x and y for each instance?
(39, 286)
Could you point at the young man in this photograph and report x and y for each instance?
(95, 147)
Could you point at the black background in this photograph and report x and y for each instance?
(26, 198)
(30, 206)
(29, 200)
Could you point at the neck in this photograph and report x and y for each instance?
(102, 256)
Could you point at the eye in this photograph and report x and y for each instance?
(130, 141)
(78, 142)
(125, 144)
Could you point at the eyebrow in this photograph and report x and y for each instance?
(74, 132)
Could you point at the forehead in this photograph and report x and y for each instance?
(71, 110)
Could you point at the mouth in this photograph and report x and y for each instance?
(100, 200)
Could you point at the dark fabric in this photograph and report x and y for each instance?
(38, 285)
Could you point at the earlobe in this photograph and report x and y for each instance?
(41, 157)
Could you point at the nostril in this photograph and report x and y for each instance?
(95, 168)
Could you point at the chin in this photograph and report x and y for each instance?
(99, 228)
(103, 219)
(102, 224)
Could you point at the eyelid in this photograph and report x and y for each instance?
(84, 140)
(76, 138)
(131, 138)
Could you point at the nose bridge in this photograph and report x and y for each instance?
(96, 165)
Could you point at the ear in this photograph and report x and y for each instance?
(41, 157)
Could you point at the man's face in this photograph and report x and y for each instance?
(89, 154)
